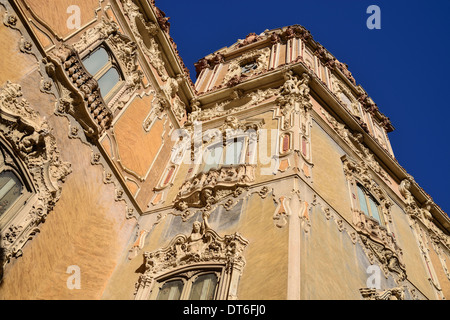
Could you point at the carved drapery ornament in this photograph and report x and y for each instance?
(31, 140)
(202, 249)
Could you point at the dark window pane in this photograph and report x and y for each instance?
(96, 61)
(249, 67)
(171, 290)
(204, 287)
(108, 81)
(10, 190)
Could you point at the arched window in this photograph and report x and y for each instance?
(104, 68)
(199, 286)
(10, 190)
(368, 204)
(230, 154)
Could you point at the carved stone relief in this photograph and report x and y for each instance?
(145, 32)
(355, 142)
(234, 74)
(202, 249)
(397, 293)
(31, 139)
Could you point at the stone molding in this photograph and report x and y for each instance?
(31, 140)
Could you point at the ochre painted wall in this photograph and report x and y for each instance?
(328, 172)
(87, 227)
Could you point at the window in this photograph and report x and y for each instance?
(368, 204)
(233, 155)
(14, 192)
(201, 286)
(247, 68)
(10, 190)
(104, 68)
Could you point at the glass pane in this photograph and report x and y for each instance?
(171, 290)
(204, 287)
(213, 157)
(374, 209)
(10, 190)
(108, 81)
(362, 201)
(233, 152)
(249, 67)
(96, 61)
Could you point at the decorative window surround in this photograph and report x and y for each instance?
(29, 138)
(378, 239)
(203, 250)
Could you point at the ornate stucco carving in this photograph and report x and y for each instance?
(203, 248)
(422, 213)
(30, 137)
(355, 142)
(79, 93)
(294, 96)
(397, 293)
(221, 109)
(145, 32)
(101, 31)
(378, 241)
(205, 190)
(234, 74)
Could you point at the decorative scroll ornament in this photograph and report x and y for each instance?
(422, 214)
(31, 140)
(259, 57)
(294, 96)
(80, 95)
(378, 242)
(206, 189)
(145, 32)
(355, 142)
(202, 248)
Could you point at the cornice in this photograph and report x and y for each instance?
(168, 47)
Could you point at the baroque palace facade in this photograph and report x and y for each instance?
(270, 177)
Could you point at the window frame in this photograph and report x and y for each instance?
(246, 156)
(367, 197)
(188, 277)
(27, 191)
(111, 64)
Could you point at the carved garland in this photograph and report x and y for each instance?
(30, 138)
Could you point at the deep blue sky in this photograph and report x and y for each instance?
(404, 66)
